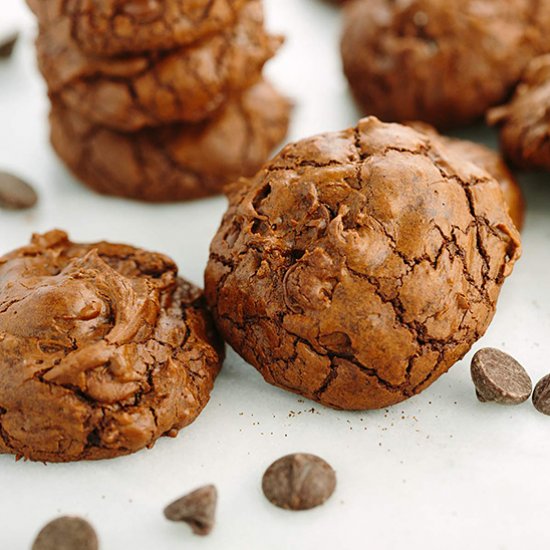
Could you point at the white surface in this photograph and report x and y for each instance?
(439, 471)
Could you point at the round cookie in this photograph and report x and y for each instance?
(440, 61)
(525, 121)
(177, 162)
(112, 27)
(129, 93)
(357, 267)
(489, 160)
(103, 349)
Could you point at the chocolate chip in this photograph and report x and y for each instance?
(541, 395)
(198, 509)
(15, 193)
(499, 377)
(299, 482)
(7, 43)
(66, 533)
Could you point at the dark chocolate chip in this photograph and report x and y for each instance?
(500, 378)
(15, 193)
(299, 482)
(198, 509)
(7, 43)
(66, 533)
(541, 395)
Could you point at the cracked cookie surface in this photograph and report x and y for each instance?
(103, 349)
(111, 27)
(445, 62)
(177, 162)
(132, 92)
(525, 121)
(357, 267)
(489, 160)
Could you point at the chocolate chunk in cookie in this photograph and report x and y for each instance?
(440, 61)
(112, 27)
(357, 267)
(525, 121)
(177, 162)
(129, 93)
(103, 349)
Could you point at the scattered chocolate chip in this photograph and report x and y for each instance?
(500, 378)
(66, 533)
(541, 395)
(299, 482)
(7, 43)
(198, 509)
(15, 193)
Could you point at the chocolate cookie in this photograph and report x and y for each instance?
(356, 267)
(178, 162)
(489, 160)
(103, 349)
(440, 61)
(525, 121)
(111, 27)
(128, 93)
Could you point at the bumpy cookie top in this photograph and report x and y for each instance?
(358, 266)
(491, 161)
(102, 350)
(442, 61)
(111, 27)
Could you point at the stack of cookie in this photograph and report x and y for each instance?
(159, 101)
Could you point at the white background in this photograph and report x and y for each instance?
(440, 471)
